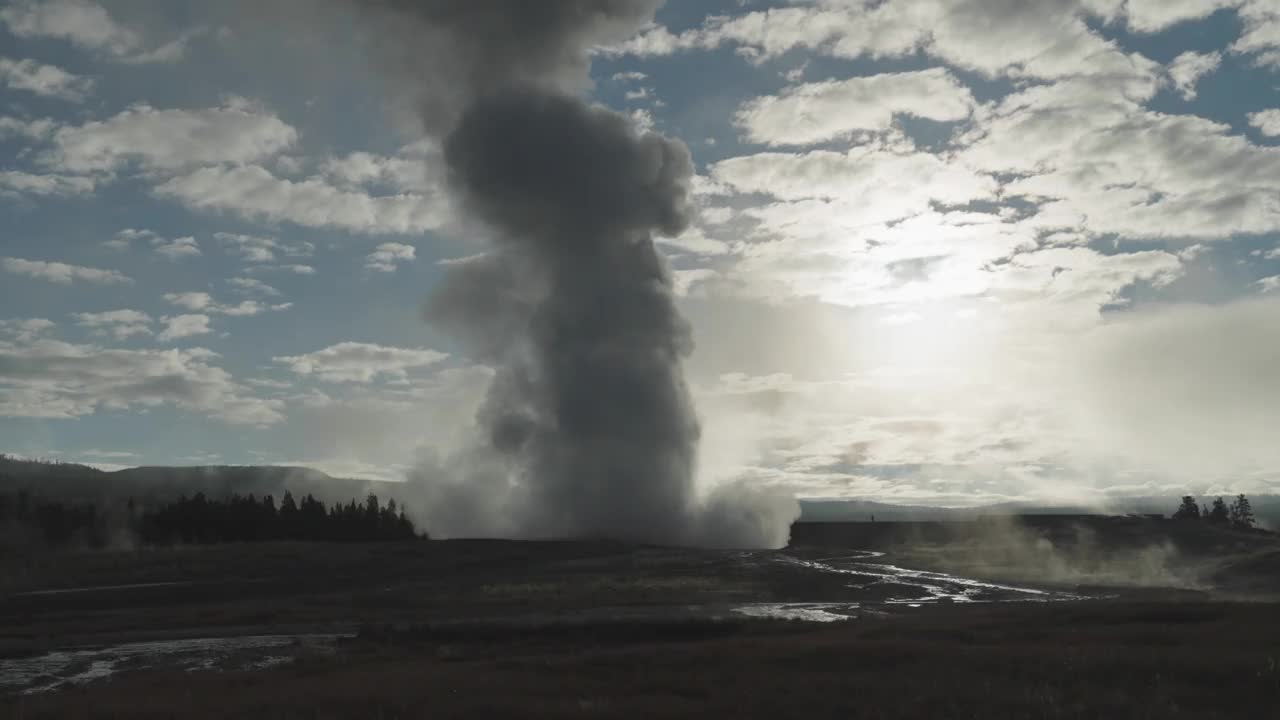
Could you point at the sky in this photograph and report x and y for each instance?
(946, 252)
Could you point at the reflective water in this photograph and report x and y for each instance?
(886, 584)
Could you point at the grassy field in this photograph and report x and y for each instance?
(1098, 660)
(571, 629)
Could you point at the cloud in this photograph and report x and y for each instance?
(190, 300)
(81, 22)
(1261, 36)
(409, 172)
(1152, 16)
(1046, 40)
(1267, 121)
(53, 379)
(886, 180)
(1095, 160)
(87, 25)
(387, 256)
(44, 80)
(62, 273)
(295, 269)
(38, 129)
(823, 111)
(168, 140)
(26, 329)
(250, 286)
(120, 324)
(178, 248)
(203, 302)
(1187, 69)
(174, 249)
(360, 362)
(183, 326)
(253, 192)
(15, 182)
(259, 249)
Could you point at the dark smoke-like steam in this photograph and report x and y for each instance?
(588, 427)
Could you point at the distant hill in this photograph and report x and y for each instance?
(74, 482)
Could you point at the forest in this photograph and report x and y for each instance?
(28, 521)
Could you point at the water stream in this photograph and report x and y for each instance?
(896, 586)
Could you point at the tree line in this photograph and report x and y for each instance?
(1238, 514)
(201, 520)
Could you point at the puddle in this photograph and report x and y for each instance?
(809, 612)
(78, 666)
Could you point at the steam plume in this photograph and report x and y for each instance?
(588, 428)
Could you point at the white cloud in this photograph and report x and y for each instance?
(643, 119)
(1269, 284)
(360, 362)
(169, 140)
(172, 249)
(182, 326)
(15, 182)
(261, 249)
(387, 256)
(247, 307)
(409, 172)
(1099, 162)
(45, 80)
(26, 329)
(1008, 37)
(120, 324)
(39, 129)
(1150, 16)
(887, 181)
(82, 22)
(178, 248)
(1187, 69)
(88, 25)
(295, 269)
(253, 192)
(203, 302)
(52, 379)
(62, 273)
(250, 286)
(1267, 121)
(190, 300)
(1261, 36)
(822, 111)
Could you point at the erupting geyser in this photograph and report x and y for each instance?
(588, 428)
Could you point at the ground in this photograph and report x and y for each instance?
(1180, 621)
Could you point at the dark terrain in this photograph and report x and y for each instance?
(1180, 621)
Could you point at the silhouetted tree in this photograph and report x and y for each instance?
(1219, 514)
(247, 519)
(1188, 510)
(1242, 512)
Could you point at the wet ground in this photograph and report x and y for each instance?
(79, 666)
(867, 583)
